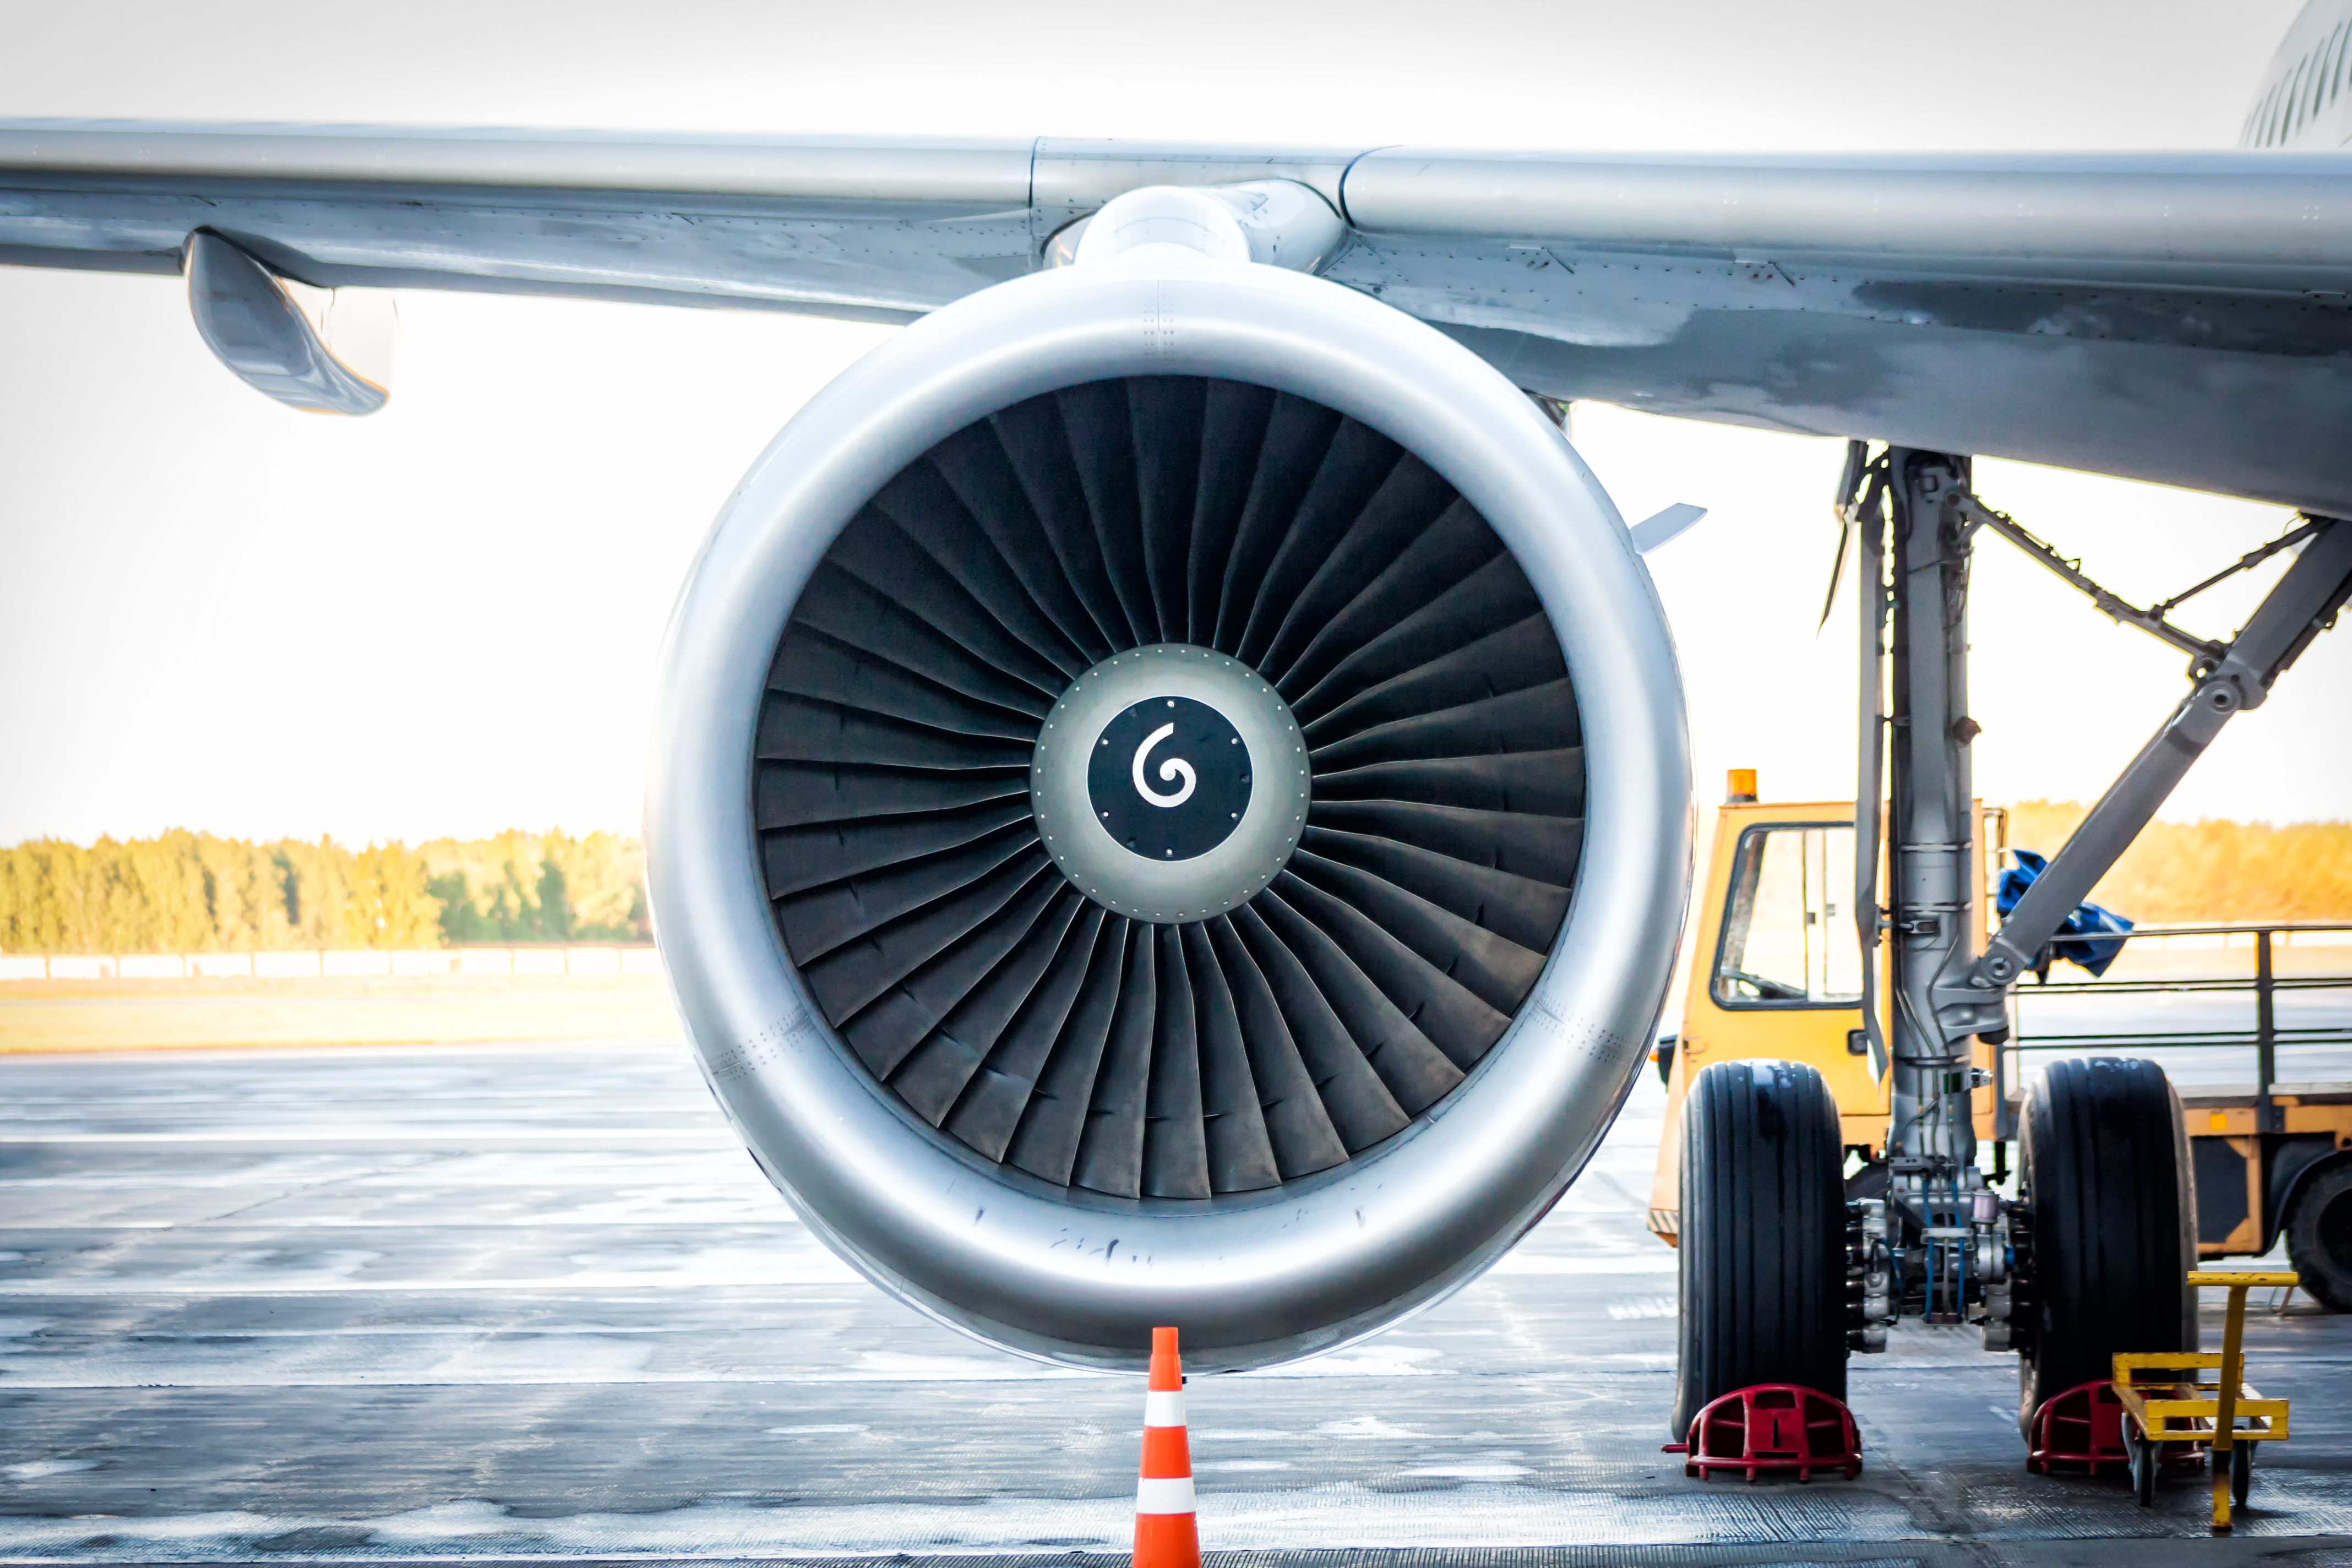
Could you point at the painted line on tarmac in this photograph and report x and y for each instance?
(1344, 1514)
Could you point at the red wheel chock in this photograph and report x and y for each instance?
(2084, 1425)
(1772, 1426)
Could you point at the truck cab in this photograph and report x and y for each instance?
(1776, 971)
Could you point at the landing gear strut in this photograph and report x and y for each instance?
(2091, 1258)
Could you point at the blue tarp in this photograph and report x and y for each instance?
(2088, 919)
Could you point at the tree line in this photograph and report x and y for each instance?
(2209, 872)
(197, 892)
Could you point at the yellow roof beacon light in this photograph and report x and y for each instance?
(1739, 787)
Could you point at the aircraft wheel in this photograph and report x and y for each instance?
(2114, 1223)
(1763, 1238)
(2319, 1236)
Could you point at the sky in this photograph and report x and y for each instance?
(220, 613)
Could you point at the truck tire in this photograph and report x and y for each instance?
(2319, 1235)
(1763, 1254)
(2113, 1224)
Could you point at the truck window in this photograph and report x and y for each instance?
(1788, 928)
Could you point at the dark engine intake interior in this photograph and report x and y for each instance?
(1181, 1062)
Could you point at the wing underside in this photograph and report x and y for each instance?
(2179, 318)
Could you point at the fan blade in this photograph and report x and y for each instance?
(936, 1073)
(1111, 1153)
(1038, 448)
(1297, 1124)
(1532, 719)
(1356, 1098)
(817, 921)
(1234, 417)
(799, 858)
(1053, 1124)
(1495, 970)
(1493, 596)
(1540, 783)
(1416, 1072)
(894, 1023)
(1520, 910)
(925, 508)
(1175, 1144)
(989, 1109)
(976, 466)
(1165, 414)
(1102, 448)
(1358, 462)
(877, 553)
(814, 665)
(1442, 555)
(1239, 1150)
(852, 613)
(849, 978)
(1521, 655)
(797, 794)
(1297, 436)
(1541, 848)
(1445, 1013)
(1396, 516)
(805, 729)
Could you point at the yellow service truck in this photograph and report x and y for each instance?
(1775, 973)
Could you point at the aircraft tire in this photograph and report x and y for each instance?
(2319, 1235)
(1762, 1253)
(2115, 1223)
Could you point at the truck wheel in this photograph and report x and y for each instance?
(1763, 1235)
(2114, 1223)
(2319, 1235)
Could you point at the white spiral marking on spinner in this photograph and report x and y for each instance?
(1174, 767)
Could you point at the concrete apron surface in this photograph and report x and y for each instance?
(535, 1302)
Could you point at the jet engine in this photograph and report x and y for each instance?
(1170, 805)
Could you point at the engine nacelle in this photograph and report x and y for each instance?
(1170, 805)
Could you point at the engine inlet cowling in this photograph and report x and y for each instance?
(1171, 807)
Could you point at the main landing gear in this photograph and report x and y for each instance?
(1781, 1277)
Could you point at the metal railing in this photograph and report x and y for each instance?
(2266, 1037)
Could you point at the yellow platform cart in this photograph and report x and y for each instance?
(2165, 1402)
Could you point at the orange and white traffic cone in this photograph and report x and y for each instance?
(1166, 1534)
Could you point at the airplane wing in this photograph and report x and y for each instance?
(2183, 318)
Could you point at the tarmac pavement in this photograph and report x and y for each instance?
(534, 1303)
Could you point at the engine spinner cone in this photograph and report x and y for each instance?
(1170, 783)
